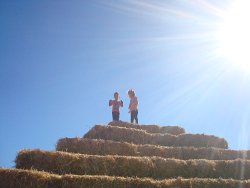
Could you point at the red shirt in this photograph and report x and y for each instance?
(116, 105)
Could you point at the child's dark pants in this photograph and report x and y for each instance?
(116, 116)
(134, 116)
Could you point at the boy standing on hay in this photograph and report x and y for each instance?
(133, 106)
(116, 104)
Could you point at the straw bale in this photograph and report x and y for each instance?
(174, 130)
(129, 135)
(137, 136)
(95, 146)
(197, 140)
(14, 178)
(108, 147)
(152, 167)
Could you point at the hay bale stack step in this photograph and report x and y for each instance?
(137, 136)
(109, 147)
(174, 130)
(18, 178)
(14, 178)
(151, 167)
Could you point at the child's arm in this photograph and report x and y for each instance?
(110, 102)
(129, 111)
(121, 103)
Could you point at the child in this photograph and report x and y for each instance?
(116, 104)
(133, 106)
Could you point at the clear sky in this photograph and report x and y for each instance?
(61, 61)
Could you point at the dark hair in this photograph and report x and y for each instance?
(116, 93)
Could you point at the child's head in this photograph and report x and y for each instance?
(116, 95)
(131, 93)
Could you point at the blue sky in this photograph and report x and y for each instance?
(61, 61)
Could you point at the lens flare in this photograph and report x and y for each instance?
(234, 37)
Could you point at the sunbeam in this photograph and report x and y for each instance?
(233, 35)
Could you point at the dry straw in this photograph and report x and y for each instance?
(174, 130)
(14, 178)
(137, 136)
(108, 147)
(153, 167)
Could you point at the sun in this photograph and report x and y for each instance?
(234, 35)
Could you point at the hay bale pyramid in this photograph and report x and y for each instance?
(125, 155)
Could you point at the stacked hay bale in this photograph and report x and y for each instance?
(124, 155)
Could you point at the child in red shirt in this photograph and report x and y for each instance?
(116, 104)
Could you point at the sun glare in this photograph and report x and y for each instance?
(234, 35)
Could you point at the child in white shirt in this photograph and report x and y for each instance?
(133, 106)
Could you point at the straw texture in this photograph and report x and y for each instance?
(137, 136)
(109, 147)
(153, 167)
(174, 130)
(14, 178)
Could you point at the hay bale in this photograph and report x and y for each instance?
(198, 140)
(14, 178)
(137, 136)
(174, 130)
(95, 146)
(152, 167)
(108, 147)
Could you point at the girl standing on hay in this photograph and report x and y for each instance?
(133, 106)
(116, 104)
